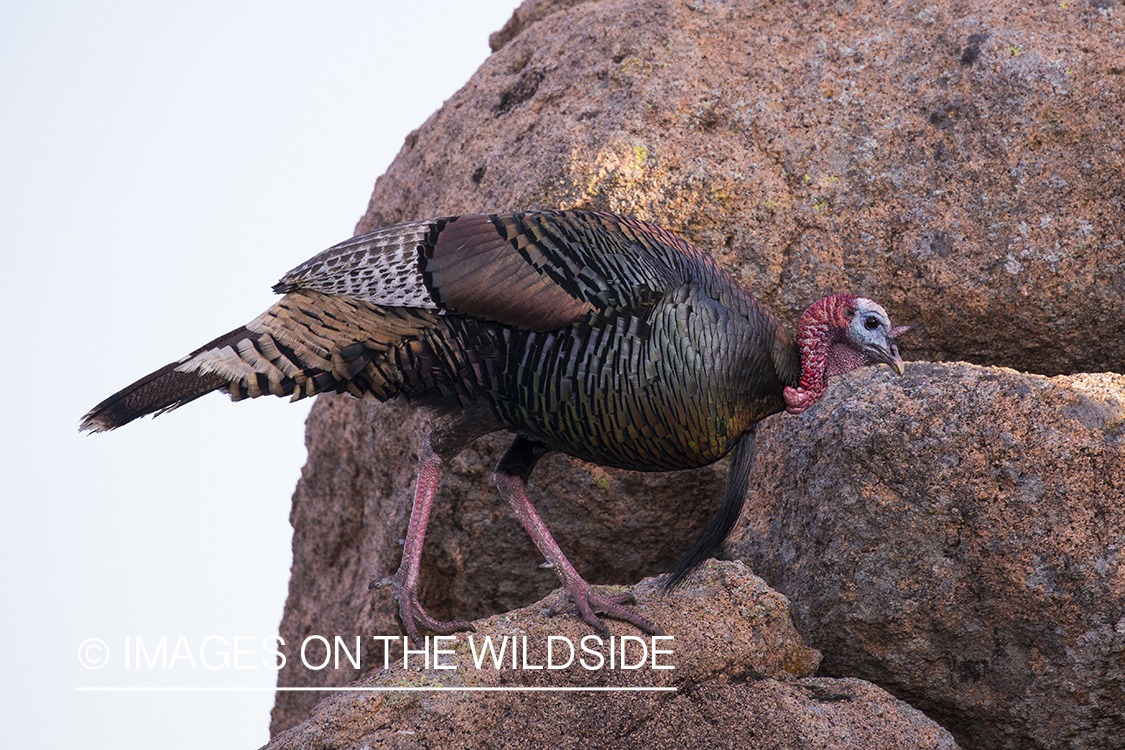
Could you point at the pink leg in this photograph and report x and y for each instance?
(510, 480)
(408, 607)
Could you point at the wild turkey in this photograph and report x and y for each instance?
(597, 335)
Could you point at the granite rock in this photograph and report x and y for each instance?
(957, 536)
(739, 679)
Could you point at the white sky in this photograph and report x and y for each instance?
(161, 165)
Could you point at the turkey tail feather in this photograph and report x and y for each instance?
(725, 517)
(161, 391)
(306, 343)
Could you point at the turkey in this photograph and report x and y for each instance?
(597, 335)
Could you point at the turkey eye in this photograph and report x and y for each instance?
(871, 323)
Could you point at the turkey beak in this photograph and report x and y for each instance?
(884, 352)
(896, 362)
(890, 355)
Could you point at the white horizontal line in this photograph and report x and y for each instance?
(429, 689)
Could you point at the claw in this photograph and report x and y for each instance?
(590, 605)
(412, 617)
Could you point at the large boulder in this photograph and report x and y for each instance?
(961, 159)
(738, 678)
(957, 536)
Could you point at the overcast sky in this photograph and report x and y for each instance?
(162, 165)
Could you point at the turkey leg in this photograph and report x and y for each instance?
(404, 592)
(511, 477)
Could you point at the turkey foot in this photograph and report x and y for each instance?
(410, 615)
(590, 605)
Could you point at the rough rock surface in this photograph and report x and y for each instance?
(929, 155)
(960, 163)
(957, 536)
(739, 679)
